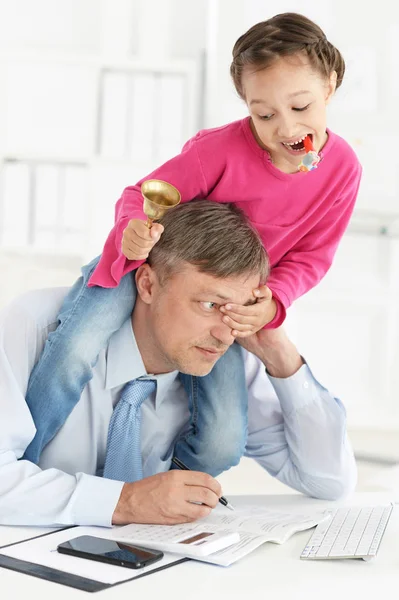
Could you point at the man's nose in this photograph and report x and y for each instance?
(222, 333)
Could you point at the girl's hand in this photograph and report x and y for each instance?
(247, 320)
(138, 240)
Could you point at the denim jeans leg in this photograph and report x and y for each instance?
(218, 406)
(88, 318)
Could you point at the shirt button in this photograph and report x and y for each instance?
(306, 385)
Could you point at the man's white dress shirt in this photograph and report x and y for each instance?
(296, 428)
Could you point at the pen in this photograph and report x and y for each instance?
(184, 467)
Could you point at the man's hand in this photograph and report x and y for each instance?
(275, 350)
(167, 498)
(138, 240)
(247, 320)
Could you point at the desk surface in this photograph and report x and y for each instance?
(271, 571)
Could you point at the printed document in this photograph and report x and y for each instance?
(256, 525)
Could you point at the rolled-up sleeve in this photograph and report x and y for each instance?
(297, 432)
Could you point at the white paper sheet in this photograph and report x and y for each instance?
(43, 551)
(254, 524)
(257, 526)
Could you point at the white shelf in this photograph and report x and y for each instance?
(100, 61)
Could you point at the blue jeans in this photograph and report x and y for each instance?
(88, 318)
(218, 406)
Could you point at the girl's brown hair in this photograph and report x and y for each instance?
(284, 35)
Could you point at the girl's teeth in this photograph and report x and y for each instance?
(296, 142)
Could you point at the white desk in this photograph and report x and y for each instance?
(271, 572)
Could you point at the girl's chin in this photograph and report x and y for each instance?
(285, 162)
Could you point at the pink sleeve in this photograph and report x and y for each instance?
(308, 261)
(184, 171)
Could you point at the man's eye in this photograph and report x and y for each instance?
(301, 109)
(209, 306)
(265, 117)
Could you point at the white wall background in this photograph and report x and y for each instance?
(95, 93)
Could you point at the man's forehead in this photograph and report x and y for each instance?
(235, 288)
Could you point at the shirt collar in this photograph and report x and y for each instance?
(124, 363)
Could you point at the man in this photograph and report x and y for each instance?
(296, 428)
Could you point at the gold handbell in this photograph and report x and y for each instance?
(159, 196)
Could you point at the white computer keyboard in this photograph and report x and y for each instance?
(351, 532)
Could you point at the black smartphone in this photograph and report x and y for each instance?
(108, 551)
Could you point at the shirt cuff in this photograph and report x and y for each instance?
(96, 500)
(279, 317)
(296, 391)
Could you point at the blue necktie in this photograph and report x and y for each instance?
(123, 457)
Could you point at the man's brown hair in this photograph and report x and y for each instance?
(217, 238)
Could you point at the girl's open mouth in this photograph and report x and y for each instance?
(297, 147)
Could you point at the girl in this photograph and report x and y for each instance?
(286, 71)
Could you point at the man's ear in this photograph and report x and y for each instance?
(146, 279)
